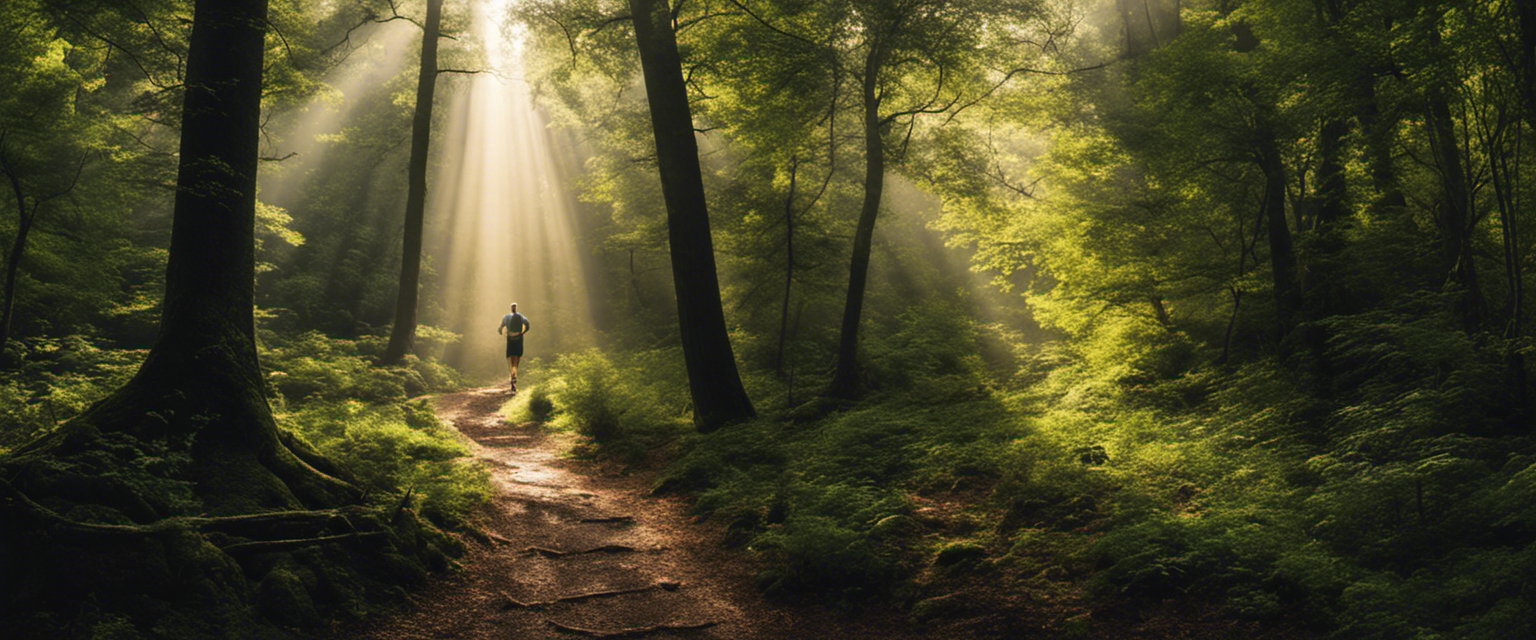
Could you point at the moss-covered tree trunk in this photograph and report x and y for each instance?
(713, 380)
(199, 397)
(403, 334)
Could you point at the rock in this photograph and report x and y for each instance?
(955, 553)
(954, 605)
(282, 598)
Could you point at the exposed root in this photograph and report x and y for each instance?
(554, 553)
(609, 520)
(247, 525)
(269, 546)
(486, 538)
(514, 603)
(634, 632)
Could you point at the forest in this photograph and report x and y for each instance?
(915, 318)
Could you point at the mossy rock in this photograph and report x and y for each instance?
(954, 605)
(283, 597)
(956, 553)
(897, 526)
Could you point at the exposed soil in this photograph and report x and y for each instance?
(575, 550)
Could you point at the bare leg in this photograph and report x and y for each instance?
(512, 368)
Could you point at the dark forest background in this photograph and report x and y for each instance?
(1198, 312)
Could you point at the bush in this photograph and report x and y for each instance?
(392, 449)
(624, 409)
(816, 554)
(56, 379)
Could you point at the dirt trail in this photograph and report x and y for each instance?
(561, 530)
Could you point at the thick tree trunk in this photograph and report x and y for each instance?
(715, 384)
(403, 335)
(200, 393)
(845, 380)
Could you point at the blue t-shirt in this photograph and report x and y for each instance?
(515, 324)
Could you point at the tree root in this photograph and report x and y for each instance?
(609, 521)
(270, 546)
(486, 538)
(514, 603)
(250, 525)
(634, 632)
(554, 553)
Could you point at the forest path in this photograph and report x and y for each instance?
(575, 551)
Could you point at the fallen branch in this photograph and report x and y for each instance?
(555, 553)
(514, 603)
(634, 632)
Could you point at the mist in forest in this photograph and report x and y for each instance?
(501, 215)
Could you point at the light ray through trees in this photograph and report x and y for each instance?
(502, 215)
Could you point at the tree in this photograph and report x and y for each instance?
(404, 332)
(713, 381)
(199, 394)
(915, 58)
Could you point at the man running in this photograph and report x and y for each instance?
(514, 325)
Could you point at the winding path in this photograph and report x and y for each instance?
(573, 552)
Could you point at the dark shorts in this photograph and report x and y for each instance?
(514, 346)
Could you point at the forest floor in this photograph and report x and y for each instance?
(573, 548)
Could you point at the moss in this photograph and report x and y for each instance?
(954, 605)
(283, 597)
(956, 553)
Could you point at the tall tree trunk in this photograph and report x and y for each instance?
(845, 380)
(1282, 252)
(403, 334)
(1455, 216)
(713, 381)
(1377, 133)
(24, 220)
(200, 390)
(1323, 284)
(1525, 17)
(789, 266)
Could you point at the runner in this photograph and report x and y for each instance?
(510, 323)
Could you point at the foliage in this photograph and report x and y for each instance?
(625, 407)
(395, 450)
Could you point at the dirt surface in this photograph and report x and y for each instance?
(574, 550)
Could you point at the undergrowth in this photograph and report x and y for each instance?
(325, 390)
(1399, 503)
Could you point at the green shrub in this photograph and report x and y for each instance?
(56, 379)
(815, 554)
(392, 449)
(623, 407)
